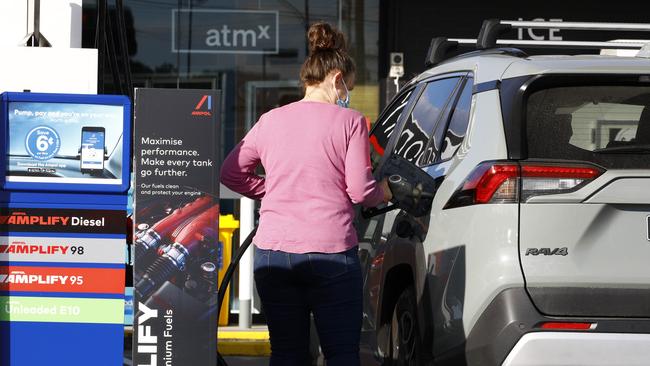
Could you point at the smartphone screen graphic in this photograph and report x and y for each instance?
(92, 149)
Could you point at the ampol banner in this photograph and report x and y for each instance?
(176, 225)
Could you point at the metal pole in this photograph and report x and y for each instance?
(37, 23)
(339, 5)
(306, 25)
(178, 45)
(246, 225)
(27, 19)
(189, 42)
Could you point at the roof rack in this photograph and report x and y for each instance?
(439, 50)
(583, 45)
(492, 29)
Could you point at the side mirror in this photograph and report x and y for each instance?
(413, 189)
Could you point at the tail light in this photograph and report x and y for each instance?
(567, 326)
(511, 182)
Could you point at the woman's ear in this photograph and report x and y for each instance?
(337, 77)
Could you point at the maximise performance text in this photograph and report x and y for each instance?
(165, 152)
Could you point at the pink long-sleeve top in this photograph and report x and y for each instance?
(317, 164)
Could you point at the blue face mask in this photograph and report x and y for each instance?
(344, 103)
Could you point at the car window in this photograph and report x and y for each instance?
(383, 129)
(420, 123)
(607, 125)
(448, 136)
(458, 123)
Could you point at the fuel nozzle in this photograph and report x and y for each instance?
(412, 198)
(152, 238)
(402, 189)
(174, 257)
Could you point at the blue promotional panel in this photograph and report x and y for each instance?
(33, 343)
(63, 228)
(66, 142)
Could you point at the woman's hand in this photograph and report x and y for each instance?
(388, 194)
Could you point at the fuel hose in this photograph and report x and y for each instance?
(226, 280)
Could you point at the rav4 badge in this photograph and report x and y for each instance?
(547, 251)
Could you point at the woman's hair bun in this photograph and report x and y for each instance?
(327, 52)
(323, 37)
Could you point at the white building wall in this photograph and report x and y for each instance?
(63, 68)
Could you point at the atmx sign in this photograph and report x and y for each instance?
(225, 31)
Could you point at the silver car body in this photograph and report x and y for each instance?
(470, 267)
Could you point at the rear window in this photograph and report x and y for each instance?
(605, 125)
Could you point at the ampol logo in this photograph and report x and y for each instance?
(203, 108)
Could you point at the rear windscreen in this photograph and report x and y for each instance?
(605, 125)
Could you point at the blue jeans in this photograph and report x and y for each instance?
(291, 286)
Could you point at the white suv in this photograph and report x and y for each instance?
(535, 248)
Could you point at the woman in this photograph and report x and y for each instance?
(315, 153)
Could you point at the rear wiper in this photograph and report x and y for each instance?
(639, 149)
